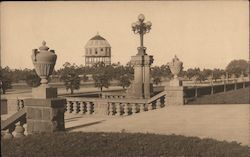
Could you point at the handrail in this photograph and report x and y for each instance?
(157, 96)
(20, 115)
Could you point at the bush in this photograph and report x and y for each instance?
(79, 144)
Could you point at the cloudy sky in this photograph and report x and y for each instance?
(202, 34)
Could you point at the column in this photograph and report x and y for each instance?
(126, 109)
(118, 109)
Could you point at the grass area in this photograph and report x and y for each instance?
(79, 144)
(239, 96)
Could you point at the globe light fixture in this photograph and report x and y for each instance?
(140, 27)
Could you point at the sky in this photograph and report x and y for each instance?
(207, 34)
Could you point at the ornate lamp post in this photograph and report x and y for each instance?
(141, 28)
(141, 86)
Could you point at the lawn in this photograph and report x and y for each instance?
(79, 144)
(239, 96)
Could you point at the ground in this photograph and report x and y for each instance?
(221, 122)
(228, 122)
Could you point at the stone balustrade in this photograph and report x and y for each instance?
(19, 104)
(113, 95)
(113, 106)
(193, 92)
(16, 131)
(15, 126)
(80, 106)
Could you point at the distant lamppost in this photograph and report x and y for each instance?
(140, 27)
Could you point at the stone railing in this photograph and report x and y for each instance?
(110, 106)
(112, 95)
(15, 125)
(78, 105)
(196, 91)
(100, 106)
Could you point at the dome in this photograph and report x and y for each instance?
(97, 42)
(97, 50)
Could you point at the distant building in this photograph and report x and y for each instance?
(97, 50)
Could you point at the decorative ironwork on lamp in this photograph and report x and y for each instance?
(140, 27)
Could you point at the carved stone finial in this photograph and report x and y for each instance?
(44, 47)
(44, 43)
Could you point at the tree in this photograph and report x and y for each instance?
(124, 81)
(195, 72)
(33, 80)
(217, 73)
(206, 73)
(101, 80)
(102, 75)
(237, 67)
(70, 77)
(5, 79)
(156, 74)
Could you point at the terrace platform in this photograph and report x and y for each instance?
(221, 122)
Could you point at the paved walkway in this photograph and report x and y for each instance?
(221, 122)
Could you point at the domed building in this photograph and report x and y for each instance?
(97, 50)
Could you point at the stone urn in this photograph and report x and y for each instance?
(175, 66)
(44, 61)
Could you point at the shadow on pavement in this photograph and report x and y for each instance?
(84, 125)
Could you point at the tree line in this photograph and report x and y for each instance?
(72, 75)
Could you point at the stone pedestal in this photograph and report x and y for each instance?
(101, 107)
(175, 82)
(45, 112)
(174, 95)
(44, 92)
(141, 86)
(45, 115)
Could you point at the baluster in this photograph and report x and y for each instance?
(69, 106)
(150, 106)
(7, 134)
(133, 108)
(82, 108)
(118, 109)
(163, 100)
(89, 108)
(19, 130)
(75, 107)
(142, 108)
(158, 103)
(22, 104)
(111, 109)
(196, 92)
(18, 105)
(126, 109)
(25, 129)
(212, 90)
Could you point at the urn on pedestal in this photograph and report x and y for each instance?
(45, 112)
(175, 67)
(44, 61)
